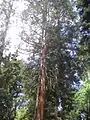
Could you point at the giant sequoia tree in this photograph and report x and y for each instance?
(52, 75)
(51, 23)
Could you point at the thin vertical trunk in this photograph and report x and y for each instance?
(42, 89)
(37, 106)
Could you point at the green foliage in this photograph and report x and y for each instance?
(5, 104)
(84, 11)
(22, 113)
(83, 96)
(84, 45)
(81, 102)
(10, 87)
(30, 84)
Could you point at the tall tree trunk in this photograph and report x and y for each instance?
(39, 110)
(42, 89)
(41, 95)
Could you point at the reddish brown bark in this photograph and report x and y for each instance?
(42, 90)
(39, 111)
(37, 105)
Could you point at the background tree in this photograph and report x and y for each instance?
(81, 103)
(10, 87)
(6, 11)
(84, 12)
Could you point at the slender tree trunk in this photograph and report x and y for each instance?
(37, 105)
(42, 89)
